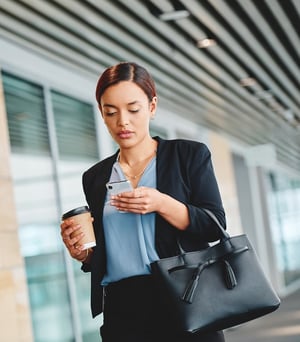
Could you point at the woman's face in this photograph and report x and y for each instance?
(126, 111)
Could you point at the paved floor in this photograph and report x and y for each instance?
(283, 325)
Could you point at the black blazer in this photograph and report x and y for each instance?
(185, 172)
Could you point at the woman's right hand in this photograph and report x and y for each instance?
(71, 235)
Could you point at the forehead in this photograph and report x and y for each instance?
(125, 92)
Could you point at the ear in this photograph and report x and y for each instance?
(153, 106)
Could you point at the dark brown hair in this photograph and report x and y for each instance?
(126, 71)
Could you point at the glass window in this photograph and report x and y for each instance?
(284, 207)
(77, 151)
(75, 128)
(36, 202)
(26, 116)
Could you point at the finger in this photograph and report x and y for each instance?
(66, 223)
(67, 231)
(74, 241)
(72, 237)
(79, 254)
(70, 230)
(138, 193)
(76, 250)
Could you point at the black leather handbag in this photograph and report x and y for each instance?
(216, 288)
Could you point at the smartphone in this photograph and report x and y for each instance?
(115, 188)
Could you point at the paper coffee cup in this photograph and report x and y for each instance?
(82, 216)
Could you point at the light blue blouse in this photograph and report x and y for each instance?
(129, 238)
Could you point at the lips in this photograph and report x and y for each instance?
(125, 134)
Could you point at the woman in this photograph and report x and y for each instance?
(172, 180)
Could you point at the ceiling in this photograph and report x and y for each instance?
(246, 85)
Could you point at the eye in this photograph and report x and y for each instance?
(110, 113)
(133, 109)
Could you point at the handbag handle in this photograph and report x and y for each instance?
(224, 234)
(229, 276)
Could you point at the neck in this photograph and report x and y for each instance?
(139, 154)
(134, 163)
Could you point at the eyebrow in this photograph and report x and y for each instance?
(128, 104)
(109, 105)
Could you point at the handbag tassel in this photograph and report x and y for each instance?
(230, 278)
(190, 290)
(193, 283)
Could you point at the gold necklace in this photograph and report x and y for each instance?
(141, 173)
(136, 176)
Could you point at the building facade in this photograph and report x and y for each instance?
(50, 132)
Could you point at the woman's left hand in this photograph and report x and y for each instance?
(141, 200)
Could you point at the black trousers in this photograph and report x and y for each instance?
(133, 312)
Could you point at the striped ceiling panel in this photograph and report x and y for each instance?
(229, 65)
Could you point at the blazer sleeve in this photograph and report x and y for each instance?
(204, 193)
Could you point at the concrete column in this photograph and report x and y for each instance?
(224, 170)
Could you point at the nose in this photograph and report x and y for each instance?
(123, 118)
